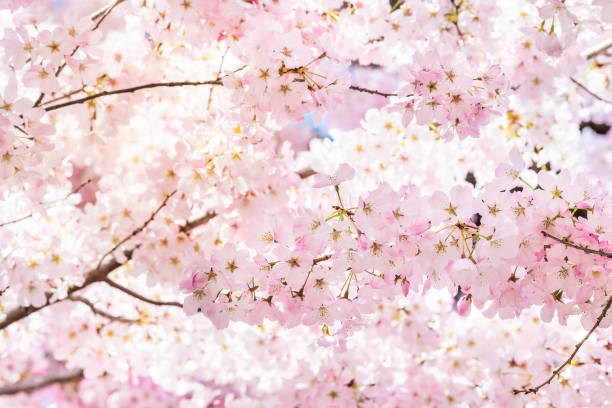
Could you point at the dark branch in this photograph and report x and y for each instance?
(455, 19)
(307, 172)
(599, 51)
(102, 313)
(139, 296)
(25, 217)
(587, 90)
(371, 91)
(534, 390)
(104, 14)
(100, 16)
(137, 230)
(132, 89)
(35, 383)
(92, 276)
(65, 96)
(567, 242)
(193, 224)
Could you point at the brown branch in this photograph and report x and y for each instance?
(36, 383)
(371, 91)
(100, 16)
(534, 390)
(65, 96)
(102, 313)
(104, 14)
(137, 230)
(456, 22)
(190, 225)
(92, 276)
(567, 242)
(48, 205)
(130, 90)
(21, 130)
(138, 296)
(587, 90)
(307, 172)
(210, 93)
(321, 259)
(25, 217)
(599, 51)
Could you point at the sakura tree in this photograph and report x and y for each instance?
(321, 203)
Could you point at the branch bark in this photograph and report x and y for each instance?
(534, 390)
(599, 51)
(100, 16)
(36, 383)
(587, 90)
(102, 313)
(130, 90)
(137, 230)
(568, 243)
(371, 91)
(139, 296)
(92, 276)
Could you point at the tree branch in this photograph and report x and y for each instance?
(193, 224)
(599, 51)
(92, 276)
(100, 16)
(130, 90)
(371, 91)
(49, 204)
(139, 296)
(587, 90)
(35, 383)
(102, 313)
(534, 390)
(137, 230)
(307, 172)
(456, 17)
(568, 243)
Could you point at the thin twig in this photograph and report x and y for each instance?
(65, 96)
(21, 130)
(534, 390)
(100, 16)
(132, 89)
(599, 51)
(587, 90)
(105, 14)
(139, 296)
(25, 217)
(137, 230)
(102, 313)
(371, 91)
(190, 225)
(210, 92)
(568, 243)
(49, 204)
(36, 383)
(456, 23)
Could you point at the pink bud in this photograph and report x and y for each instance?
(465, 304)
(406, 288)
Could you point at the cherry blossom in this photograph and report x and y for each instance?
(316, 204)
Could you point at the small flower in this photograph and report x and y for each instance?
(344, 173)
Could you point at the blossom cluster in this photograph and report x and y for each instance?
(324, 203)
